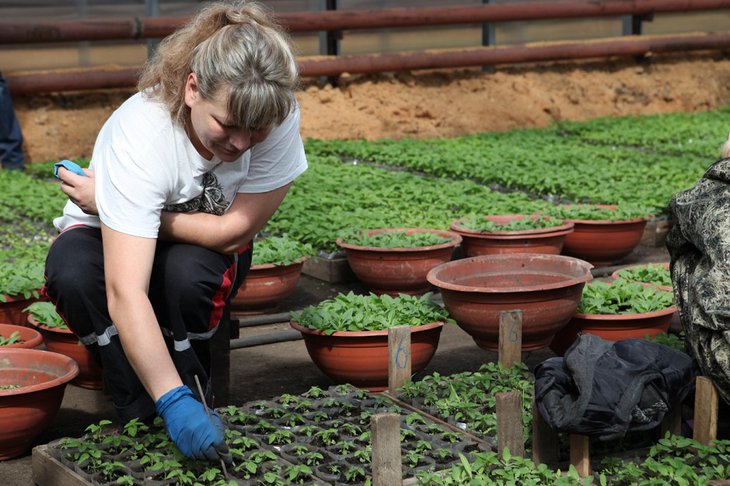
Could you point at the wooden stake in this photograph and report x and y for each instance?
(386, 459)
(580, 454)
(399, 357)
(510, 337)
(544, 439)
(706, 409)
(509, 423)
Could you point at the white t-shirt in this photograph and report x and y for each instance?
(145, 163)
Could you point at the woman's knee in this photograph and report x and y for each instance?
(74, 266)
(189, 274)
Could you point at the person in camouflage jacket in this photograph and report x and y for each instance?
(699, 248)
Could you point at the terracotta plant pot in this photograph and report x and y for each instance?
(64, 341)
(613, 327)
(603, 242)
(361, 357)
(396, 271)
(266, 286)
(665, 265)
(546, 288)
(29, 338)
(11, 311)
(542, 240)
(26, 411)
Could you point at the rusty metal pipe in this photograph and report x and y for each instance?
(87, 79)
(34, 82)
(337, 20)
(425, 16)
(88, 30)
(490, 56)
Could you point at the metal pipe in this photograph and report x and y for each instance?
(272, 338)
(261, 320)
(362, 64)
(75, 80)
(33, 82)
(337, 20)
(506, 12)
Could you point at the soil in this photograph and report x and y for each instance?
(419, 105)
(432, 103)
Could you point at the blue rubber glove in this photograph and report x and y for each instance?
(67, 164)
(193, 432)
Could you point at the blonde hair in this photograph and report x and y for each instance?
(725, 151)
(238, 48)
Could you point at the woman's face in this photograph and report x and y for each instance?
(210, 130)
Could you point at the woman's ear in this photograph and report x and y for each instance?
(192, 94)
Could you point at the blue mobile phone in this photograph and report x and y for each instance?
(67, 164)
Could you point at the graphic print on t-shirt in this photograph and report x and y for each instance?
(211, 200)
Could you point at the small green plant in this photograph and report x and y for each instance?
(45, 313)
(313, 458)
(237, 416)
(352, 312)
(672, 460)
(287, 399)
(406, 435)
(349, 428)
(344, 447)
(362, 455)
(21, 277)
(593, 212)
(264, 427)
(319, 416)
(442, 454)
(672, 340)
(9, 387)
(394, 239)
(303, 406)
(415, 419)
(298, 473)
(423, 446)
(355, 474)
(622, 297)
(314, 392)
(412, 458)
(451, 437)
(280, 437)
(298, 450)
(292, 419)
(650, 273)
(279, 250)
(307, 430)
(111, 470)
(327, 437)
(13, 338)
(535, 221)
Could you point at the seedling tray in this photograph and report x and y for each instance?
(332, 425)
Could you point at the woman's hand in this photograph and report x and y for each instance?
(80, 189)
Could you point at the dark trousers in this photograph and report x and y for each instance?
(11, 139)
(189, 287)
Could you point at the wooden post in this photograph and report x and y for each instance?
(580, 454)
(544, 439)
(399, 357)
(386, 460)
(510, 337)
(509, 423)
(706, 409)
